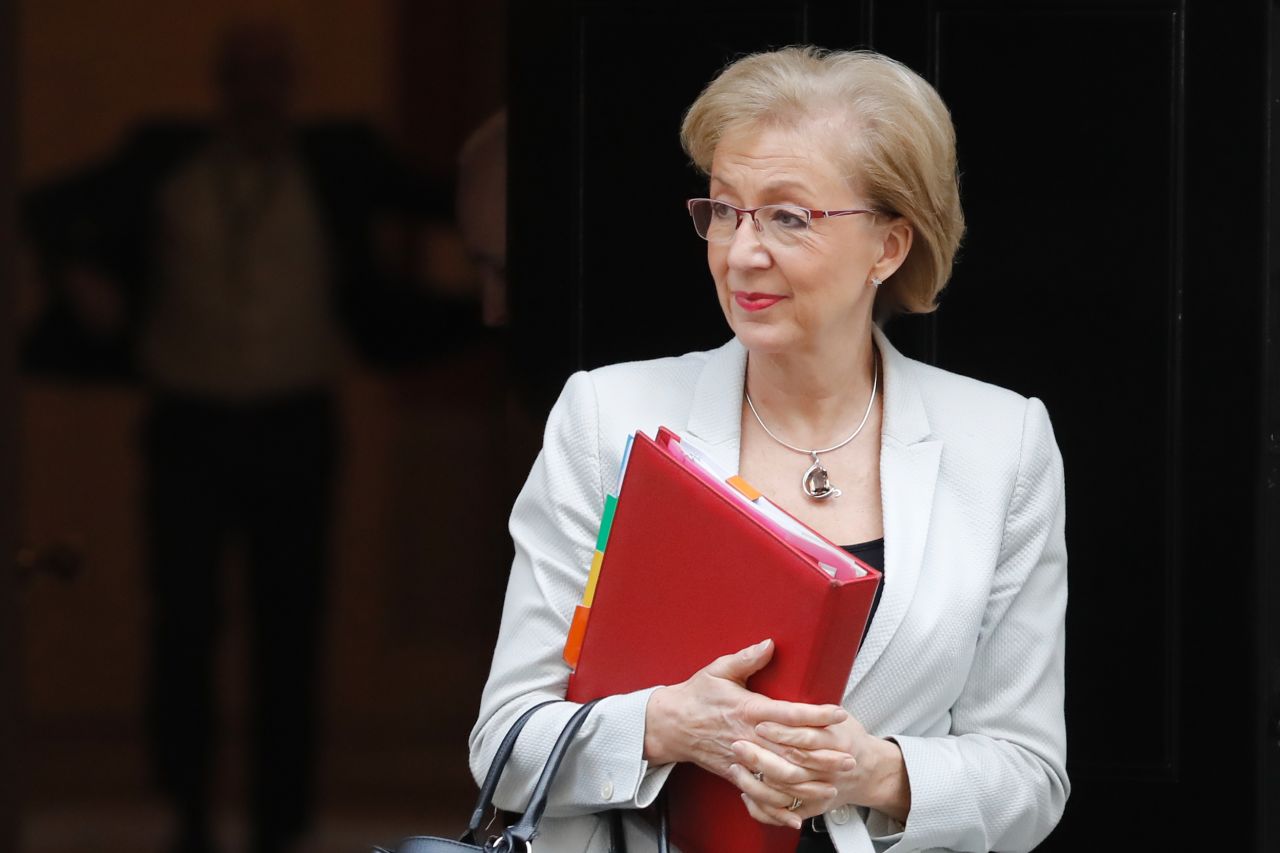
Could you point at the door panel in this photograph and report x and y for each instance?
(1072, 263)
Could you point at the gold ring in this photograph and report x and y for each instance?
(795, 804)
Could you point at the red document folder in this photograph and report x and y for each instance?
(690, 574)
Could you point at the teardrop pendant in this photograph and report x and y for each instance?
(816, 483)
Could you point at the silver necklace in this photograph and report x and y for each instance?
(815, 483)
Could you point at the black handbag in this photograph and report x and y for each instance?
(525, 829)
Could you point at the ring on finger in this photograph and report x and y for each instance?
(759, 775)
(795, 804)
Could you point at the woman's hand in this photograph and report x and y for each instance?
(700, 719)
(841, 760)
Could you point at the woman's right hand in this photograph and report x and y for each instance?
(700, 719)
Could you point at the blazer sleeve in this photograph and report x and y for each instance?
(553, 526)
(998, 781)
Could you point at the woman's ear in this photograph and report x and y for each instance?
(893, 248)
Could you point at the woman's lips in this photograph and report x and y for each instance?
(755, 301)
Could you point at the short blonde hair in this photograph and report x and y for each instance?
(901, 153)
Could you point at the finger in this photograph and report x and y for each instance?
(772, 816)
(800, 737)
(741, 665)
(758, 789)
(782, 777)
(823, 763)
(781, 773)
(762, 709)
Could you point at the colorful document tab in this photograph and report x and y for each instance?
(589, 595)
(606, 521)
(746, 488)
(577, 630)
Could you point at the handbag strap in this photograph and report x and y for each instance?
(500, 759)
(618, 834)
(526, 829)
(663, 844)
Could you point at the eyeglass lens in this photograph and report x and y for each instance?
(782, 224)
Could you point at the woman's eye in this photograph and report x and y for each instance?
(720, 210)
(789, 219)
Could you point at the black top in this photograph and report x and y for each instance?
(871, 553)
(814, 839)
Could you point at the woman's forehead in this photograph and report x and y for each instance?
(774, 159)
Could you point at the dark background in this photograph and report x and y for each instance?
(1116, 165)
(1116, 175)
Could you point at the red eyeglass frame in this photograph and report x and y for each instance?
(741, 212)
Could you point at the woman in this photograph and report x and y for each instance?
(833, 205)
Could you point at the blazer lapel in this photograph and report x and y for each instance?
(908, 473)
(716, 416)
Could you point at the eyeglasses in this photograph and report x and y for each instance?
(780, 224)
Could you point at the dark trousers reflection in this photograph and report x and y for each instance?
(262, 473)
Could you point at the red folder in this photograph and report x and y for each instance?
(690, 574)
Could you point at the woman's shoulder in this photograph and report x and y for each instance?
(981, 417)
(672, 373)
(956, 395)
(637, 393)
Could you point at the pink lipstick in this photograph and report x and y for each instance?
(755, 301)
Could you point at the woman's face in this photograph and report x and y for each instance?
(815, 294)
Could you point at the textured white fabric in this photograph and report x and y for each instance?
(962, 665)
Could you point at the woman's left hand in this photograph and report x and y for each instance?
(823, 768)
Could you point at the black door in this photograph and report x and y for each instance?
(1114, 162)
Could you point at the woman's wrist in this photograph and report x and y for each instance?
(890, 792)
(658, 746)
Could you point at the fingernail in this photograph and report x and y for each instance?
(849, 764)
(733, 768)
(796, 823)
(761, 646)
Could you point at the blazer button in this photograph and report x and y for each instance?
(607, 791)
(840, 814)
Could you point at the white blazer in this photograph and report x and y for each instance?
(962, 665)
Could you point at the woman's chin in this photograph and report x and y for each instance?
(762, 339)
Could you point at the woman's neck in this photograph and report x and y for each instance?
(816, 397)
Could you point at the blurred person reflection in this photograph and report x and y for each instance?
(229, 264)
(482, 212)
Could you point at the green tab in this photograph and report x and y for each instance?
(610, 504)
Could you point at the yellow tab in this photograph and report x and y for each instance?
(589, 595)
(743, 486)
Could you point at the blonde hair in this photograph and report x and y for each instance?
(900, 152)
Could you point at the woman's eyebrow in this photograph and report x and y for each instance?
(774, 186)
(787, 184)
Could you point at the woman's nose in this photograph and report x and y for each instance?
(747, 250)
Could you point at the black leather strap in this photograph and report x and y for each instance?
(662, 823)
(617, 832)
(490, 786)
(526, 829)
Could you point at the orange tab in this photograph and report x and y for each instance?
(746, 488)
(577, 630)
